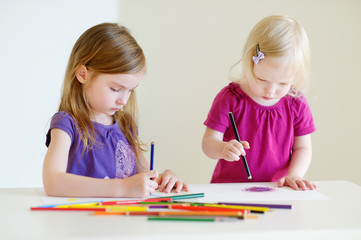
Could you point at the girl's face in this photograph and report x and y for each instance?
(273, 80)
(108, 93)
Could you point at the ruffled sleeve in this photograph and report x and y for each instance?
(225, 101)
(303, 120)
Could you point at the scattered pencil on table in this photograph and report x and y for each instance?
(234, 126)
(168, 209)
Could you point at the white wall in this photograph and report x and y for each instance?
(190, 46)
(35, 43)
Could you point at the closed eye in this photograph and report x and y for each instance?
(114, 89)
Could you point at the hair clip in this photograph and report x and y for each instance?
(259, 55)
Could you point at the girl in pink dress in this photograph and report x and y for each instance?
(272, 116)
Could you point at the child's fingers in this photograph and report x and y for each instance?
(163, 183)
(292, 184)
(281, 182)
(152, 174)
(245, 144)
(309, 185)
(185, 187)
(230, 156)
(178, 186)
(170, 185)
(238, 147)
(233, 150)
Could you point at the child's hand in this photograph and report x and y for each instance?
(141, 185)
(296, 183)
(168, 180)
(233, 149)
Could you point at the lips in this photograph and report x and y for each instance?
(266, 98)
(115, 109)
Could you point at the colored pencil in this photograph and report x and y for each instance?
(197, 219)
(137, 201)
(128, 213)
(69, 203)
(151, 156)
(251, 208)
(164, 203)
(279, 206)
(185, 196)
(204, 208)
(68, 209)
(202, 213)
(239, 140)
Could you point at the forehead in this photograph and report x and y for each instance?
(275, 70)
(128, 81)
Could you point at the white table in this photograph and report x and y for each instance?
(336, 218)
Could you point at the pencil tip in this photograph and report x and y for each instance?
(250, 177)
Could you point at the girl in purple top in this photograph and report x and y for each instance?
(270, 112)
(93, 147)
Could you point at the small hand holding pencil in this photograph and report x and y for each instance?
(168, 179)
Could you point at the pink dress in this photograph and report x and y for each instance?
(270, 132)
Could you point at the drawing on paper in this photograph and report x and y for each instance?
(259, 189)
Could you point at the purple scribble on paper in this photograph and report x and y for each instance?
(259, 189)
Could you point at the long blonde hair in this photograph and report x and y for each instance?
(277, 36)
(105, 48)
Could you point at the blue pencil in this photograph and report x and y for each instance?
(151, 155)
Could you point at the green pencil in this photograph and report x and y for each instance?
(186, 196)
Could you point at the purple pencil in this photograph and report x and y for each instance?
(280, 206)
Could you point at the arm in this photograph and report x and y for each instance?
(59, 183)
(214, 147)
(300, 161)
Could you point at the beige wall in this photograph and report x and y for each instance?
(190, 46)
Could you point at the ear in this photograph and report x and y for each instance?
(82, 74)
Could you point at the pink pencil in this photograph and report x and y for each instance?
(137, 201)
(67, 209)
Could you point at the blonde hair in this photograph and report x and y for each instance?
(277, 36)
(105, 48)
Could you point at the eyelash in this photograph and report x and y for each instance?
(118, 90)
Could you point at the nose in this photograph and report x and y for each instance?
(122, 99)
(270, 89)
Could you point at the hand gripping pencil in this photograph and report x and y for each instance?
(239, 140)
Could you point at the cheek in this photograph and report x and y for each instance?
(255, 87)
(283, 92)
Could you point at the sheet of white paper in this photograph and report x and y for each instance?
(222, 192)
(46, 200)
(239, 192)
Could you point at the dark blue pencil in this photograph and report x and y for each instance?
(239, 140)
(151, 155)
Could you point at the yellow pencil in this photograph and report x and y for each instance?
(262, 209)
(78, 205)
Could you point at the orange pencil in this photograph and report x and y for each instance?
(203, 208)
